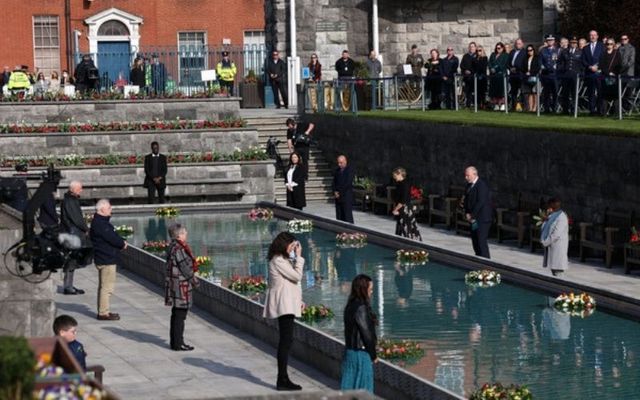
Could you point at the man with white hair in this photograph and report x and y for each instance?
(107, 245)
(478, 212)
(73, 222)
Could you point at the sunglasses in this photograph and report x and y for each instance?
(610, 44)
(530, 50)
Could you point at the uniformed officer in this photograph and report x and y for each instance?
(416, 60)
(226, 70)
(549, 79)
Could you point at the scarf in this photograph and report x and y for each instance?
(187, 249)
(546, 227)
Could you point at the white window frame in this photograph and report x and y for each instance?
(49, 62)
(198, 54)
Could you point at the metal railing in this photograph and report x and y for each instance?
(566, 93)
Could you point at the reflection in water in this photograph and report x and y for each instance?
(470, 335)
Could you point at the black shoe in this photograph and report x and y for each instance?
(78, 291)
(287, 385)
(184, 347)
(72, 291)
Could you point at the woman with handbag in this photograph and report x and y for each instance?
(530, 83)
(179, 283)
(284, 298)
(611, 64)
(403, 210)
(295, 181)
(497, 70)
(359, 337)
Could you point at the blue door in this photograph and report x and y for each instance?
(113, 58)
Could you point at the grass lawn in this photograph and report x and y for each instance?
(557, 123)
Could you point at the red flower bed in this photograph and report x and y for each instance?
(122, 126)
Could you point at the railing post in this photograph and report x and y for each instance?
(538, 93)
(423, 94)
(354, 98)
(620, 97)
(396, 83)
(505, 79)
(456, 81)
(576, 98)
(475, 92)
(320, 88)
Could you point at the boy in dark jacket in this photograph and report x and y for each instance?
(107, 245)
(65, 326)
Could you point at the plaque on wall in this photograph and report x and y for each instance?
(331, 26)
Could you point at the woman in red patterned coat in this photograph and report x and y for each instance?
(179, 283)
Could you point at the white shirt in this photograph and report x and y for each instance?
(290, 183)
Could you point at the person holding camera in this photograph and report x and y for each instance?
(284, 298)
(299, 140)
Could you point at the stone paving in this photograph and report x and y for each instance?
(592, 273)
(139, 364)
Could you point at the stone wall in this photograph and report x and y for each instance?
(329, 26)
(120, 110)
(26, 309)
(224, 141)
(588, 172)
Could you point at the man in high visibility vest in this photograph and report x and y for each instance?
(19, 80)
(226, 70)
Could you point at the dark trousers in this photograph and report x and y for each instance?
(278, 86)
(449, 92)
(593, 91)
(515, 82)
(468, 90)
(479, 238)
(434, 84)
(176, 330)
(227, 85)
(151, 193)
(344, 210)
(568, 94)
(285, 327)
(549, 92)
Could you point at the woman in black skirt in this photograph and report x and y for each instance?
(294, 181)
(404, 212)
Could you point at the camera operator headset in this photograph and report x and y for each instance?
(299, 140)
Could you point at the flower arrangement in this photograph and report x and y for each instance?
(355, 239)
(204, 267)
(540, 217)
(482, 278)
(635, 238)
(156, 246)
(251, 154)
(262, 214)
(106, 95)
(203, 260)
(496, 391)
(299, 225)
(581, 305)
(393, 349)
(157, 125)
(169, 212)
(67, 390)
(315, 313)
(124, 230)
(412, 257)
(416, 193)
(88, 218)
(248, 285)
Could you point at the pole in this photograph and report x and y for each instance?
(538, 93)
(575, 99)
(294, 62)
(395, 79)
(374, 27)
(422, 91)
(456, 81)
(620, 97)
(67, 29)
(506, 94)
(475, 92)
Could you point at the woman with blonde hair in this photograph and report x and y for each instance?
(403, 210)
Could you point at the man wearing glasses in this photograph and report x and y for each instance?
(277, 71)
(628, 55)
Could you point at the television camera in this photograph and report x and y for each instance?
(38, 255)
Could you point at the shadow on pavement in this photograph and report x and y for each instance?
(224, 370)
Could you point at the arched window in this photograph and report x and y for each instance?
(113, 28)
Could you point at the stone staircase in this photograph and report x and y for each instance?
(318, 187)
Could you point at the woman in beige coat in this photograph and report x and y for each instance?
(284, 298)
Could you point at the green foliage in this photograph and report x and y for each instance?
(360, 70)
(17, 363)
(364, 182)
(578, 17)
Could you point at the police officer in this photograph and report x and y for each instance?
(226, 70)
(569, 67)
(18, 80)
(549, 66)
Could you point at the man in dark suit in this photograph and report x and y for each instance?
(517, 65)
(155, 171)
(477, 208)
(343, 190)
(277, 71)
(590, 58)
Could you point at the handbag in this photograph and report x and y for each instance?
(303, 138)
(532, 80)
(610, 81)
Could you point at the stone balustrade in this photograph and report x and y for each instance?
(119, 110)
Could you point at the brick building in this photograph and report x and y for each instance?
(50, 34)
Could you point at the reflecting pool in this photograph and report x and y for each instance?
(471, 335)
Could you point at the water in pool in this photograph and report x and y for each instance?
(471, 336)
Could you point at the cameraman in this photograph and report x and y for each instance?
(299, 139)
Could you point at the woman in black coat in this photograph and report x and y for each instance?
(610, 65)
(137, 73)
(294, 181)
(530, 83)
(403, 210)
(480, 64)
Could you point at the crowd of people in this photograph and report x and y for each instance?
(510, 75)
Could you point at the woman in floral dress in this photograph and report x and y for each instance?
(403, 210)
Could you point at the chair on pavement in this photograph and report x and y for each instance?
(517, 220)
(444, 206)
(609, 237)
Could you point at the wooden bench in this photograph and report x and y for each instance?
(444, 206)
(631, 257)
(386, 199)
(517, 220)
(362, 197)
(609, 237)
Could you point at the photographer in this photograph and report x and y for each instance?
(299, 139)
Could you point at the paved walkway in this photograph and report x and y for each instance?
(592, 273)
(139, 365)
